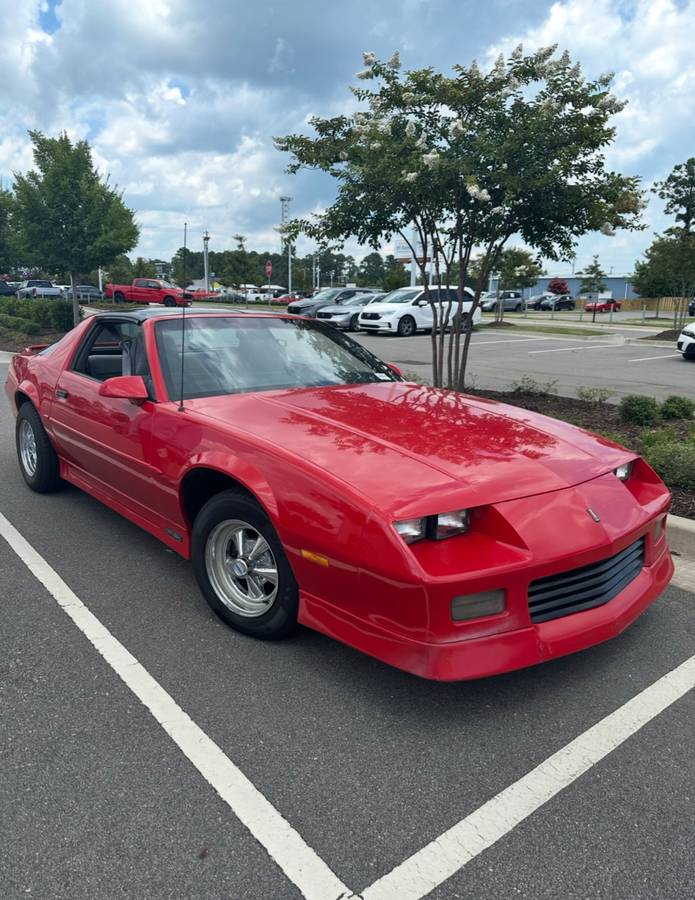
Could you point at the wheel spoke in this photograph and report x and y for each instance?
(254, 588)
(239, 541)
(259, 548)
(266, 574)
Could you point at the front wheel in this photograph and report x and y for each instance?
(406, 326)
(241, 567)
(517, 308)
(38, 460)
(354, 322)
(119, 297)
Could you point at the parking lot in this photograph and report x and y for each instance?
(139, 733)
(615, 360)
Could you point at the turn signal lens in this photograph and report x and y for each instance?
(451, 523)
(411, 530)
(659, 529)
(475, 606)
(623, 472)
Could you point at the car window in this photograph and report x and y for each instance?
(113, 348)
(238, 354)
(402, 295)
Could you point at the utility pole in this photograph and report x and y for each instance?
(284, 218)
(206, 238)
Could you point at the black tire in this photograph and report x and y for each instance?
(169, 301)
(45, 476)
(354, 323)
(517, 308)
(119, 297)
(280, 619)
(406, 326)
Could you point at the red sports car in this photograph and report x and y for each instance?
(602, 306)
(449, 535)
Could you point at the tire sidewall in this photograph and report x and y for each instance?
(46, 477)
(281, 619)
(401, 322)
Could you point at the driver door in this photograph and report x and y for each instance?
(107, 441)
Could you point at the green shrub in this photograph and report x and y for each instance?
(528, 385)
(639, 409)
(598, 395)
(16, 324)
(55, 314)
(677, 407)
(675, 462)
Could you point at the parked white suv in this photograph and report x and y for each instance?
(686, 341)
(407, 311)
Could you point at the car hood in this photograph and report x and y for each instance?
(340, 308)
(386, 307)
(411, 449)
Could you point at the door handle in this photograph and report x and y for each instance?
(61, 394)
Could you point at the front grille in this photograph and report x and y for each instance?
(370, 316)
(584, 588)
(323, 315)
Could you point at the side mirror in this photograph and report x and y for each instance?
(125, 387)
(394, 368)
(422, 302)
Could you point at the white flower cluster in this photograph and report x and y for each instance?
(343, 155)
(395, 61)
(456, 129)
(409, 96)
(544, 54)
(375, 145)
(364, 74)
(478, 193)
(611, 104)
(518, 51)
(605, 79)
(474, 69)
(576, 70)
(608, 229)
(410, 129)
(410, 176)
(565, 58)
(498, 68)
(430, 159)
(368, 58)
(421, 142)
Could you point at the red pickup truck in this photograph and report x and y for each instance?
(148, 290)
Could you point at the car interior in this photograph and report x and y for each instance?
(113, 349)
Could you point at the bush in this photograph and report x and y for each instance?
(677, 407)
(598, 395)
(55, 314)
(675, 462)
(16, 324)
(528, 385)
(639, 409)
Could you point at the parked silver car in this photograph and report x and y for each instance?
(345, 315)
(84, 292)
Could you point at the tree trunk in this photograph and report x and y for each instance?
(75, 304)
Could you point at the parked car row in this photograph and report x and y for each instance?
(686, 341)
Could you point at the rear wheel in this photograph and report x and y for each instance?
(241, 567)
(517, 308)
(169, 301)
(38, 460)
(406, 326)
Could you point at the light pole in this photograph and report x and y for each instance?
(284, 215)
(206, 238)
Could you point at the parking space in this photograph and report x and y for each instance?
(498, 359)
(365, 763)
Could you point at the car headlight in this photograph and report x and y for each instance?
(411, 530)
(436, 528)
(623, 472)
(686, 333)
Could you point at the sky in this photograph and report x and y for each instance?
(180, 100)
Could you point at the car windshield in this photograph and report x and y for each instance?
(359, 300)
(39, 284)
(167, 284)
(326, 294)
(232, 355)
(402, 295)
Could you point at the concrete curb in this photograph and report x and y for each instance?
(5, 356)
(681, 536)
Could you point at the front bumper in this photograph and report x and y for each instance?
(686, 346)
(385, 325)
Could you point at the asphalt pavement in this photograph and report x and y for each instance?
(617, 360)
(366, 763)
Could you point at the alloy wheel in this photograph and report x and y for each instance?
(241, 567)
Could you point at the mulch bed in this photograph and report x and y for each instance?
(601, 418)
(14, 342)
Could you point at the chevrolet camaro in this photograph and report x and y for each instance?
(308, 482)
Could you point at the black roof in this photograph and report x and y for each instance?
(139, 315)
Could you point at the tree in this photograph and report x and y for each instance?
(395, 275)
(464, 163)
(8, 249)
(68, 218)
(121, 270)
(558, 286)
(371, 270)
(518, 269)
(144, 268)
(592, 278)
(679, 192)
(668, 270)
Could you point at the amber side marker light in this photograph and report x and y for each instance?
(475, 606)
(315, 557)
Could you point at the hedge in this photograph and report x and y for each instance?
(54, 314)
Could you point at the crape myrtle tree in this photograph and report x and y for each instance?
(462, 163)
(69, 219)
(558, 286)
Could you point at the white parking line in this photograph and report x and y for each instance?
(647, 358)
(565, 349)
(482, 342)
(440, 859)
(285, 846)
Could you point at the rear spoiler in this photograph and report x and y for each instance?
(33, 349)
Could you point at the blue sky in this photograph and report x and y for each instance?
(180, 100)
